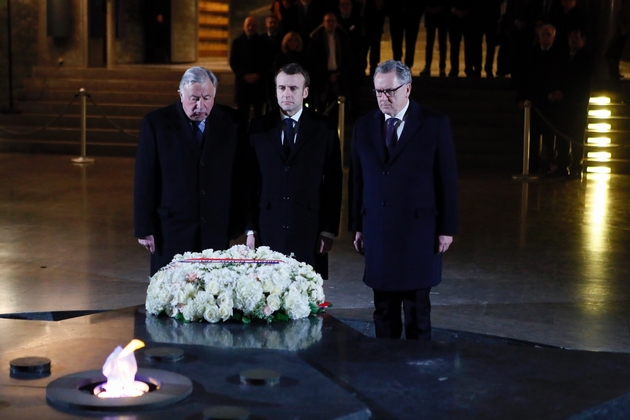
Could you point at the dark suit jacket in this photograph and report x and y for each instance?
(401, 205)
(298, 197)
(249, 55)
(184, 194)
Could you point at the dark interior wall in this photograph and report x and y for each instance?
(24, 24)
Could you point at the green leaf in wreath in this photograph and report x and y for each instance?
(280, 316)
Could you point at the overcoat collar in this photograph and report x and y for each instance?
(413, 122)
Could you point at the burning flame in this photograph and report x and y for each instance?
(120, 369)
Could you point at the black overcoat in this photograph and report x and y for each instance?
(298, 197)
(186, 195)
(402, 204)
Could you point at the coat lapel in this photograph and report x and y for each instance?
(274, 132)
(376, 133)
(305, 133)
(413, 123)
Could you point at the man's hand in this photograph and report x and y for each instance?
(148, 243)
(325, 244)
(251, 241)
(358, 242)
(444, 242)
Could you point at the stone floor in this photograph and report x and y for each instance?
(543, 261)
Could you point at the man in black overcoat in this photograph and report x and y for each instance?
(249, 62)
(190, 167)
(573, 95)
(403, 202)
(299, 177)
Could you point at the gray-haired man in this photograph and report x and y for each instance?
(191, 162)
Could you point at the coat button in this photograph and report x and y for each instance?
(384, 203)
(203, 220)
(286, 168)
(286, 198)
(203, 192)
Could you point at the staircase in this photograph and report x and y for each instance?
(608, 134)
(123, 95)
(213, 28)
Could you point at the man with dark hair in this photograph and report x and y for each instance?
(298, 177)
(403, 202)
(191, 167)
(249, 62)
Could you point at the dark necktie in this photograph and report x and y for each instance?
(390, 134)
(198, 132)
(289, 135)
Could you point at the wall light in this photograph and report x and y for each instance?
(598, 169)
(599, 100)
(598, 141)
(599, 156)
(599, 127)
(599, 113)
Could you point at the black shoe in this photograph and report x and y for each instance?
(442, 73)
(453, 73)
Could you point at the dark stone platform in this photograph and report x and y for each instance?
(329, 371)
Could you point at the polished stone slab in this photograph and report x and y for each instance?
(329, 370)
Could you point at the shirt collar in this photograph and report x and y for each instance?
(400, 115)
(295, 117)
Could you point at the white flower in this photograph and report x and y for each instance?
(274, 302)
(211, 314)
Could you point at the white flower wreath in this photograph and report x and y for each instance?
(237, 283)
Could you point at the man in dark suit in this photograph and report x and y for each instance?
(403, 202)
(191, 161)
(541, 79)
(299, 175)
(573, 95)
(329, 59)
(404, 23)
(249, 62)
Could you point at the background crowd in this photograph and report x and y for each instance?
(338, 42)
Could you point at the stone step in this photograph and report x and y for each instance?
(140, 72)
(50, 109)
(29, 122)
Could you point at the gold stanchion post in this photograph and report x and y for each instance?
(83, 158)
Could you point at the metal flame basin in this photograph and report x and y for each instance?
(75, 391)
